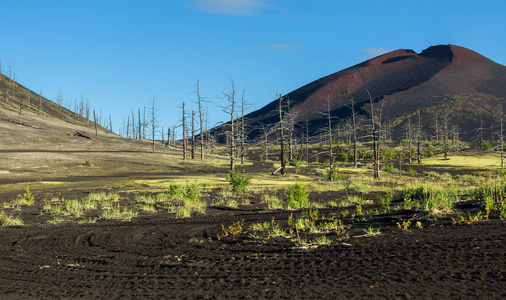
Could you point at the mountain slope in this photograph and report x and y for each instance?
(443, 78)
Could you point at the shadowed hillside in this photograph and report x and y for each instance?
(441, 79)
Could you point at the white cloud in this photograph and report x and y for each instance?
(230, 7)
(374, 51)
(283, 47)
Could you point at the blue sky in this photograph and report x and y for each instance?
(122, 54)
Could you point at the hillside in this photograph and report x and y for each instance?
(30, 121)
(440, 79)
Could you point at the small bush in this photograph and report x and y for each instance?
(344, 156)
(297, 196)
(238, 182)
(488, 146)
(388, 168)
(333, 174)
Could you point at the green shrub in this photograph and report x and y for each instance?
(388, 168)
(333, 174)
(431, 150)
(431, 197)
(238, 182)
(175, 191)
(297, 196)
(29, 197)
(344, 156)
(488, 146)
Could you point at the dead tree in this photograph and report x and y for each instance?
(289, 125)
(501, 136)
(199, 101)
(419, 156)
(328, 112)
(409, 140)
(243, 135)
(481, 134)
(95, 120)
(307, 141)
(282, 139)
(140, 125)
(110, 124)
(445, 134)
(378, 140)
(373, 131)
(354, 133)
(184, 134)
(230, 98)
(153, 122)
(167, 145)
(265, 131)
(193, 134)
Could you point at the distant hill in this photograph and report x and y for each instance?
(30, 121)
(441, 79)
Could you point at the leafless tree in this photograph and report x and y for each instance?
(167, 145)
(354, 132)
(59, 99)
(139, 131)
(153, 122)
(95, 121)
(230, 109)
(328, 112)
(201, 123)
(193, 134)
(445, 121)
(184, 133)
(282, 137)
(409, 140)
(243, 135)
(418, 154)
(307, 141)
(375, 145)
(144, 124)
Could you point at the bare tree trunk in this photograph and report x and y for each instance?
(481, 134)
(445, 134)
(243, 136)
(378, 141)
(419, 156)
(110, 123)
(153, 123)
(95, 119)
(231, 100)
(282, 158)
(373, 131)
(501, 137)
(437, 127)
(199, 99)
(184, 134)
(140, 125)
(168, 138)
(290, 131)
(354, 129)
(193, 134)
(128, 127)
(409, 141)
(329, 119)
(307, 141)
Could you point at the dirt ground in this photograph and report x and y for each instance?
(163, 257)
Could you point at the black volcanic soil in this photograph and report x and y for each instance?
(163, 257)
